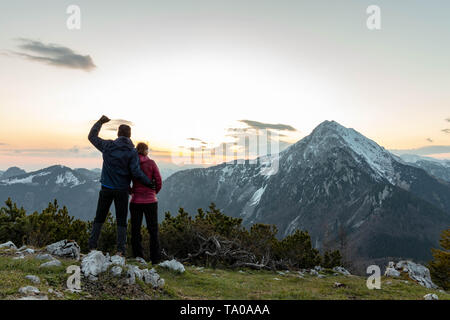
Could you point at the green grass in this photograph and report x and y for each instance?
(250, 285)
(204, 284)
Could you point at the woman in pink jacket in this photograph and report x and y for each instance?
(144, 202)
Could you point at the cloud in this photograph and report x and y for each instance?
(75, 151)
(448, 119)
(197, 140)
(3, 144)
(446, 130)
(429, 140)
(262, 125)
(114, 124)
(423, 151)
(53, 54)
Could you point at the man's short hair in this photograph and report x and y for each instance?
(124, 131)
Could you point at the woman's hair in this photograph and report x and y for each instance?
(141, 147)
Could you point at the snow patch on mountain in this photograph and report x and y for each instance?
(257, 196)
(24, 180)
(66, 179)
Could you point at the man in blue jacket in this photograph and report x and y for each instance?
(120, 165)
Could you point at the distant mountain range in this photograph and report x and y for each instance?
(342, 187)
(77, 189)
(339, 185)
(438, 168)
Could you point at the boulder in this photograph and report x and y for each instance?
(25, 251)
(391, 272)
(94, 263)
(118, 260)
(29, 290)
(341, 270)
(44, 256)
(153, 278)
(32, 278)
(313, 272)
(141, 260)
(65, 248)
(318, 268)
(173, 265)
(137, 273)
(19, 257)
(52, 263)
(417, 272)
(8, 245)
(116, 271)
(430, 296)
(131, 277)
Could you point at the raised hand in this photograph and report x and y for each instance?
(104, 119)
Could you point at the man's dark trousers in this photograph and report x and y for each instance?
(105, 199)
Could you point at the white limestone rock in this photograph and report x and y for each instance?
(173, 265)
(131, 277)
(65, 248)
(141, 260)
(417, 272)
(8, 245)
(33, 278)
(116, 271)
(153, 278)
(44, 256)
(29, 290)
(391, 272)
(313, 272)
(138, 273)
(342, 270)
(52, 263)
(25, 251)
(430, 296)
(94, 263)
(118, 260)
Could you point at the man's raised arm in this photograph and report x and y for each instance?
(93, 137)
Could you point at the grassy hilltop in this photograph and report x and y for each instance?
(201, 283)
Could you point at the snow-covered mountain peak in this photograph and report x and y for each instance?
(330, 134)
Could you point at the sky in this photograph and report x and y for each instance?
(190, 74)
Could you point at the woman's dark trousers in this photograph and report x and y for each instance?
(150, 210)
(105, 199)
